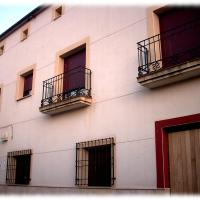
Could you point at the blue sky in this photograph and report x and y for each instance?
(10, 14)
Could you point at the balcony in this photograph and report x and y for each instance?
(67, 91)
(170, 57)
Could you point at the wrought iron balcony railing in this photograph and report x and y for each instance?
(168, 49)
(75, 83)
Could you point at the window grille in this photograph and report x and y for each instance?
(95, 163)
(18, 167)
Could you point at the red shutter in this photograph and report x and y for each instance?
(182, 42)
(74, 69)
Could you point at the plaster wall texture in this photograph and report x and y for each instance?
(121, 108)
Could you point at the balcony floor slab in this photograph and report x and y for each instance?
(171, 75)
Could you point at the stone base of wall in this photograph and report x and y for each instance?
(37, 190)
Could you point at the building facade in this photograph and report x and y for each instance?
(101, 97)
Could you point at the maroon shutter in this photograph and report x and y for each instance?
(28, 84)
(181, 41)
(74, 69)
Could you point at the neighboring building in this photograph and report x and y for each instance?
(87, 101)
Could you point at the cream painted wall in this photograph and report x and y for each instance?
(121, 108)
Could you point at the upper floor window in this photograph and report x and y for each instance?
(177, 43)
(57, 12)
(180, 30)
(1, 50)
(71, 88)
(25, 83)
(24, 34)
(75, 81)
(28, 79)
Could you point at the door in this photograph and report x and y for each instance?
(74, 71)
(181, 42)
(22, 169)
(99, 169)
(184, 161)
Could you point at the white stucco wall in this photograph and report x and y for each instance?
(121, 108)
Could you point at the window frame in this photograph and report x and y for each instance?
(57, 12)
(11, 168)
(26, 82)
(25, 32)
(82, 162)
(60, 55)
(20, 82)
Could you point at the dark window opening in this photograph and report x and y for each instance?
(95, 163)
(22, 169)
(18, 167)
(1, 50)
(28, 84)
(24, 34)
(58, 12)
(99, 168)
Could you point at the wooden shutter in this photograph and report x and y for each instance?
(181, 43)
(74, 69)
(184, 157)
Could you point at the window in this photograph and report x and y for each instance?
(179, 27)
(57, 12)
(74, 82)
(24, 34)
(1, 50)
(74, 72)
(25, 83)
(18, 167)
(95, 163)
(28, 84)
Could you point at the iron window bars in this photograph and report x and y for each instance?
(54, 90)
(95, 163)
(151, 55)
(18, 167)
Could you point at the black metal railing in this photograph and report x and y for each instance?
(74, 83)
(170, 48)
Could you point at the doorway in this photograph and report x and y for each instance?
(184, 161)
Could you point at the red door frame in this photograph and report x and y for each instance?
(162, 148)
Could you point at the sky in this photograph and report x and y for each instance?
(10, 14)
(12, 11)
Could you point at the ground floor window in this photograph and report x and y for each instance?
(95, 163)
(18, 167)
